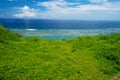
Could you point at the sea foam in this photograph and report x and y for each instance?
(31, 29)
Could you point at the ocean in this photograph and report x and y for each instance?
(60, 29)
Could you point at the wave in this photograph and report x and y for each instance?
(31, 29)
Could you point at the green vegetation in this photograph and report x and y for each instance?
(82, 58)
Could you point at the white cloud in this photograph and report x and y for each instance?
(25, 11)
(61, 4)
(64, 10)
(55, 4)
(61, 9)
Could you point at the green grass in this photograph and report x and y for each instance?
(82, 58)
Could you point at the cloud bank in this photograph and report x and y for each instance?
(61, 9)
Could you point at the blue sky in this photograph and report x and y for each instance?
(61, 9)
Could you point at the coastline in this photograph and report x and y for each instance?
(85, 57)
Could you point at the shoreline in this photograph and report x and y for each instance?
(83, 58)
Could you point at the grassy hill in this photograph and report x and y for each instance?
(82, 58)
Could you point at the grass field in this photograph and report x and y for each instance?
(82, 58)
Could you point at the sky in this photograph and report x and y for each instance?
(61, 9)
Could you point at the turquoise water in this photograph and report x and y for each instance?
(58, 34)
(60, 29)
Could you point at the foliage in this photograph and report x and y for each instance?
(82, 58)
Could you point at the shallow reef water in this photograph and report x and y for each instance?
(58, 34)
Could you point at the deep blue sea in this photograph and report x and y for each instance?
(60, 29)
